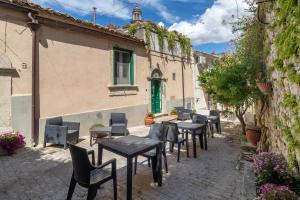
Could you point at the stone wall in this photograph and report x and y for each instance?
(282, 115)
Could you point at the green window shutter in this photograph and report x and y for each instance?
(131, 69)
(114, 67)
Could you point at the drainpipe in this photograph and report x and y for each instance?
(33, 24)
(183, 91)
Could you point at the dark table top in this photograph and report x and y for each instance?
(189, 125)
(129, 146)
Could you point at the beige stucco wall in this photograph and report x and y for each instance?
(76, 70)
(173, 88)
(15, 50)
(15, 43)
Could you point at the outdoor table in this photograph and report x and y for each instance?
(193, 127)
(98, 130)
(130, 147)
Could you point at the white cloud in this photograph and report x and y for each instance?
(114, 8)
(215, 24)
(161, 24)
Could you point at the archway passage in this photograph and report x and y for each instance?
(156, 95)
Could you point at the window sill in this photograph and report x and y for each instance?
(123, 90)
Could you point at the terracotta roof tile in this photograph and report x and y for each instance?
(67, 17)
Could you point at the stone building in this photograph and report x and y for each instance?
(202, 61)
(54, 65)
(170, 72)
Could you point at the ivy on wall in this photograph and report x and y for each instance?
(287, 43)
(172, 37)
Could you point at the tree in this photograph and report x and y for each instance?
(228, 84)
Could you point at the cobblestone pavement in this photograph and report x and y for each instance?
(38, 173)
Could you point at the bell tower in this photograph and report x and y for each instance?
(137, 13)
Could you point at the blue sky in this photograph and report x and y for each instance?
(206, 22)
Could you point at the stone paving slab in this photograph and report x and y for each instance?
(44, 173)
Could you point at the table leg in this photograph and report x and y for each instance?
(91, 139)
(201, 140)
(129, 179)
(159, 164)
(205, 139)
(100, 152)
(187, 143)
(194, 144)
(154, 168)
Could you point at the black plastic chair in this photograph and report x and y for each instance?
(156, 132)
(200, 119)
(118, 123)
(172, 137)
(87, 175)
(214, 119)
(183, 114)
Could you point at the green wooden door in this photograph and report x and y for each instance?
(155, 96)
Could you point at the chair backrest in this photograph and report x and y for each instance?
(173, 131)
(55, 121)
(158, 132)
(81, 164)
(117, 118)
(199, 119)
(214, 113)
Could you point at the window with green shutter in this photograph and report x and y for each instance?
(123, 69)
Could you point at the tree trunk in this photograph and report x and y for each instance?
(240, 115)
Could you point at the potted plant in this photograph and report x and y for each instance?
(149, 119)
(10, 142)
(264, 87)
(173, 113)
(253, 134)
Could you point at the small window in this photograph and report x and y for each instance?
(202, 59)
(196, 59)
(173, 76)
(123, 67)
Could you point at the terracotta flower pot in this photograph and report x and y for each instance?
(148, 121)
(174, 116)
(265, 88)
(253, 136)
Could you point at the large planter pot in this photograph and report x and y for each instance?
(253, 135)
(174, 116)
(265, 88)
(3, 152)
(148, 121)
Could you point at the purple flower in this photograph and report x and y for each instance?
(276, 192)
(270, 161)
(10, 141)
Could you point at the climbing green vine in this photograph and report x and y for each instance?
(287, 42)
(164, 37)
(132, 29)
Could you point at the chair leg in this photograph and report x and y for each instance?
(135, 164)
(115, 186)
(92, 192)
(149, 162)
(65, 146)
(171, 147)
(178, 153)
(165, 161)
(182, 135)
(91, 140)
(71, 187)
